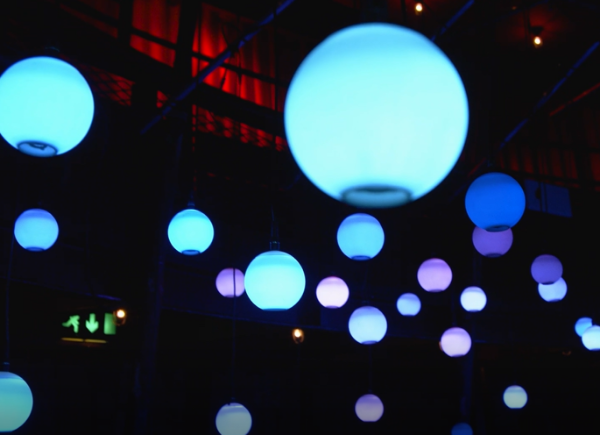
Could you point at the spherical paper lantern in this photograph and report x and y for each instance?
(515, 397)
(376, 115)
(495, 202)
(591, 338)
(191, 232)
(546, 269)
(408, 304)
(553, 292)
(36, 230)
(367, 325)
(274, 281)
(332, 292)
(360, 236)
(16, 401)
(369, 408)
(492, 244)
(434, 275)
(46, 106)
(455, 342)
(233, 419)
(582, 325)
(226, 283)
(473, 299)
(461, 429)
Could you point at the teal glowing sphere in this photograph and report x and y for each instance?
(191, 232)
(36, 230)
(553, 292)
(16, 401)
(591, 338)
(360, 236)
(515, 397)
(233, 419)
(46, 106)
(367, 325)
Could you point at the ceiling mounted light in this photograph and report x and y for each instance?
(408, 304)
(495, 202)
(233, 419)
(455, 342)
(418, 8)
(191, 232)
(591, 338)
(473, 299)
(36, 230)
(367, 325)
(553, 292)
(492, 244)
(515, 397)
(298, 335)
(376, 115)
(360, 236)
(332, 292)
(546, 269)
(582, 325)
(434, 275)
(16, 401)
(226, 283)
(369, 408)
(46, 106)
(461, 429)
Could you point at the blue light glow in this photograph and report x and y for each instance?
(495, 202)
(36, 230)
(546, 269)
(46, 106)
(367, 325)
(274, 281)
(408, 304)
(553, 292)
(369, 408)
(360, 236)
(473, 299)
(191, 232)
(233, 419)
(582, 325)
(461, 429)
(16, 401)
(591, 338)
(515, 397)
(376, 115)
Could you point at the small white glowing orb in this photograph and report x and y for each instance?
(367, 325)
(515, 397)
(36, 230)
(230, 282)
(461, 429)
(591, 338)
(233, 419)
(16, 401)
(473, 299)
(582, 325)
(408, 304)
(360, 236)
(492, 244)
(332, 292)
(434, 275)
(369, 408)
(191, 232)
(553, 292)
(46, 106)
(546, 269)
(455, 342)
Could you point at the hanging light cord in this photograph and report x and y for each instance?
(370, 368)
(6, 363)
(233, 340)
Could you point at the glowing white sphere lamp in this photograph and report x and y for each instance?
(546, 269)
(515, 397)
(332, 292)
(553, 292)
(376, 115)
(495, 202)
(191, 232)
(36, 230)
(434, 275)
(360, 236)
(591, 338)
(369, 408)
(274, 281)
(473, 299)
(492, 244)
(455, 342)
(582, 325)
(46, 106)
(408, 304)
(16, 401)
(367, 325)
(461, 429)
(230, 282)
(233, 419)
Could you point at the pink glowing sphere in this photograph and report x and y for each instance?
(369, 408)
(492, 244)
(456, 342)
(434, 275)
(226, 283)
(546, 269)
(332, 292)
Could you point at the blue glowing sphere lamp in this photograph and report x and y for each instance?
(233, 419)
(553, 292)
(191, 232)
(369, 408)
(495, 202)
(16, 401)
(492, 244)
(515, 397)
(332, 292)
(455, 342)
(473, 299)
(376, 115)
(360, 236)
(36, 230)
(461, 429)
(591, 338)
(434, 275)
(582, 325)
(46, 106)
(367, 325)
(546, 269)
(408, 304)
(230, 282)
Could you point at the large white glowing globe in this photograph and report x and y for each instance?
(553, 292)
(36, 230)
(16, 401)
(582, 325)
(473, 299)
(230, 282)
(456, 342)
(274, 281)
(369, 408)
(191, 232)
(46, 106)
(408, 304)
(360, 236)
(434, 275)
(233, 419)
(461, 429)
(515, 397)
(546, 269)
(367, 325)
(376, 115)
(591, 338)
(332, 292)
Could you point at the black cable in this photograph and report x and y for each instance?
(233, 341)
(6, 306)
(370, 368)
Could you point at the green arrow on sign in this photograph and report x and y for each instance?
(91, 324)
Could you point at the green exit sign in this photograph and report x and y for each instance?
(88, 327)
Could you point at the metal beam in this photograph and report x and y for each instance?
(452, 20)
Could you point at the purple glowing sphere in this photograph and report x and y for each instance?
(456, 342)
(434, 275)
(369, 408)
(492, 244)
(332, 292)
(546, 269)
(227, 285)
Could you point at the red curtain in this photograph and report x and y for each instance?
(159, 18)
